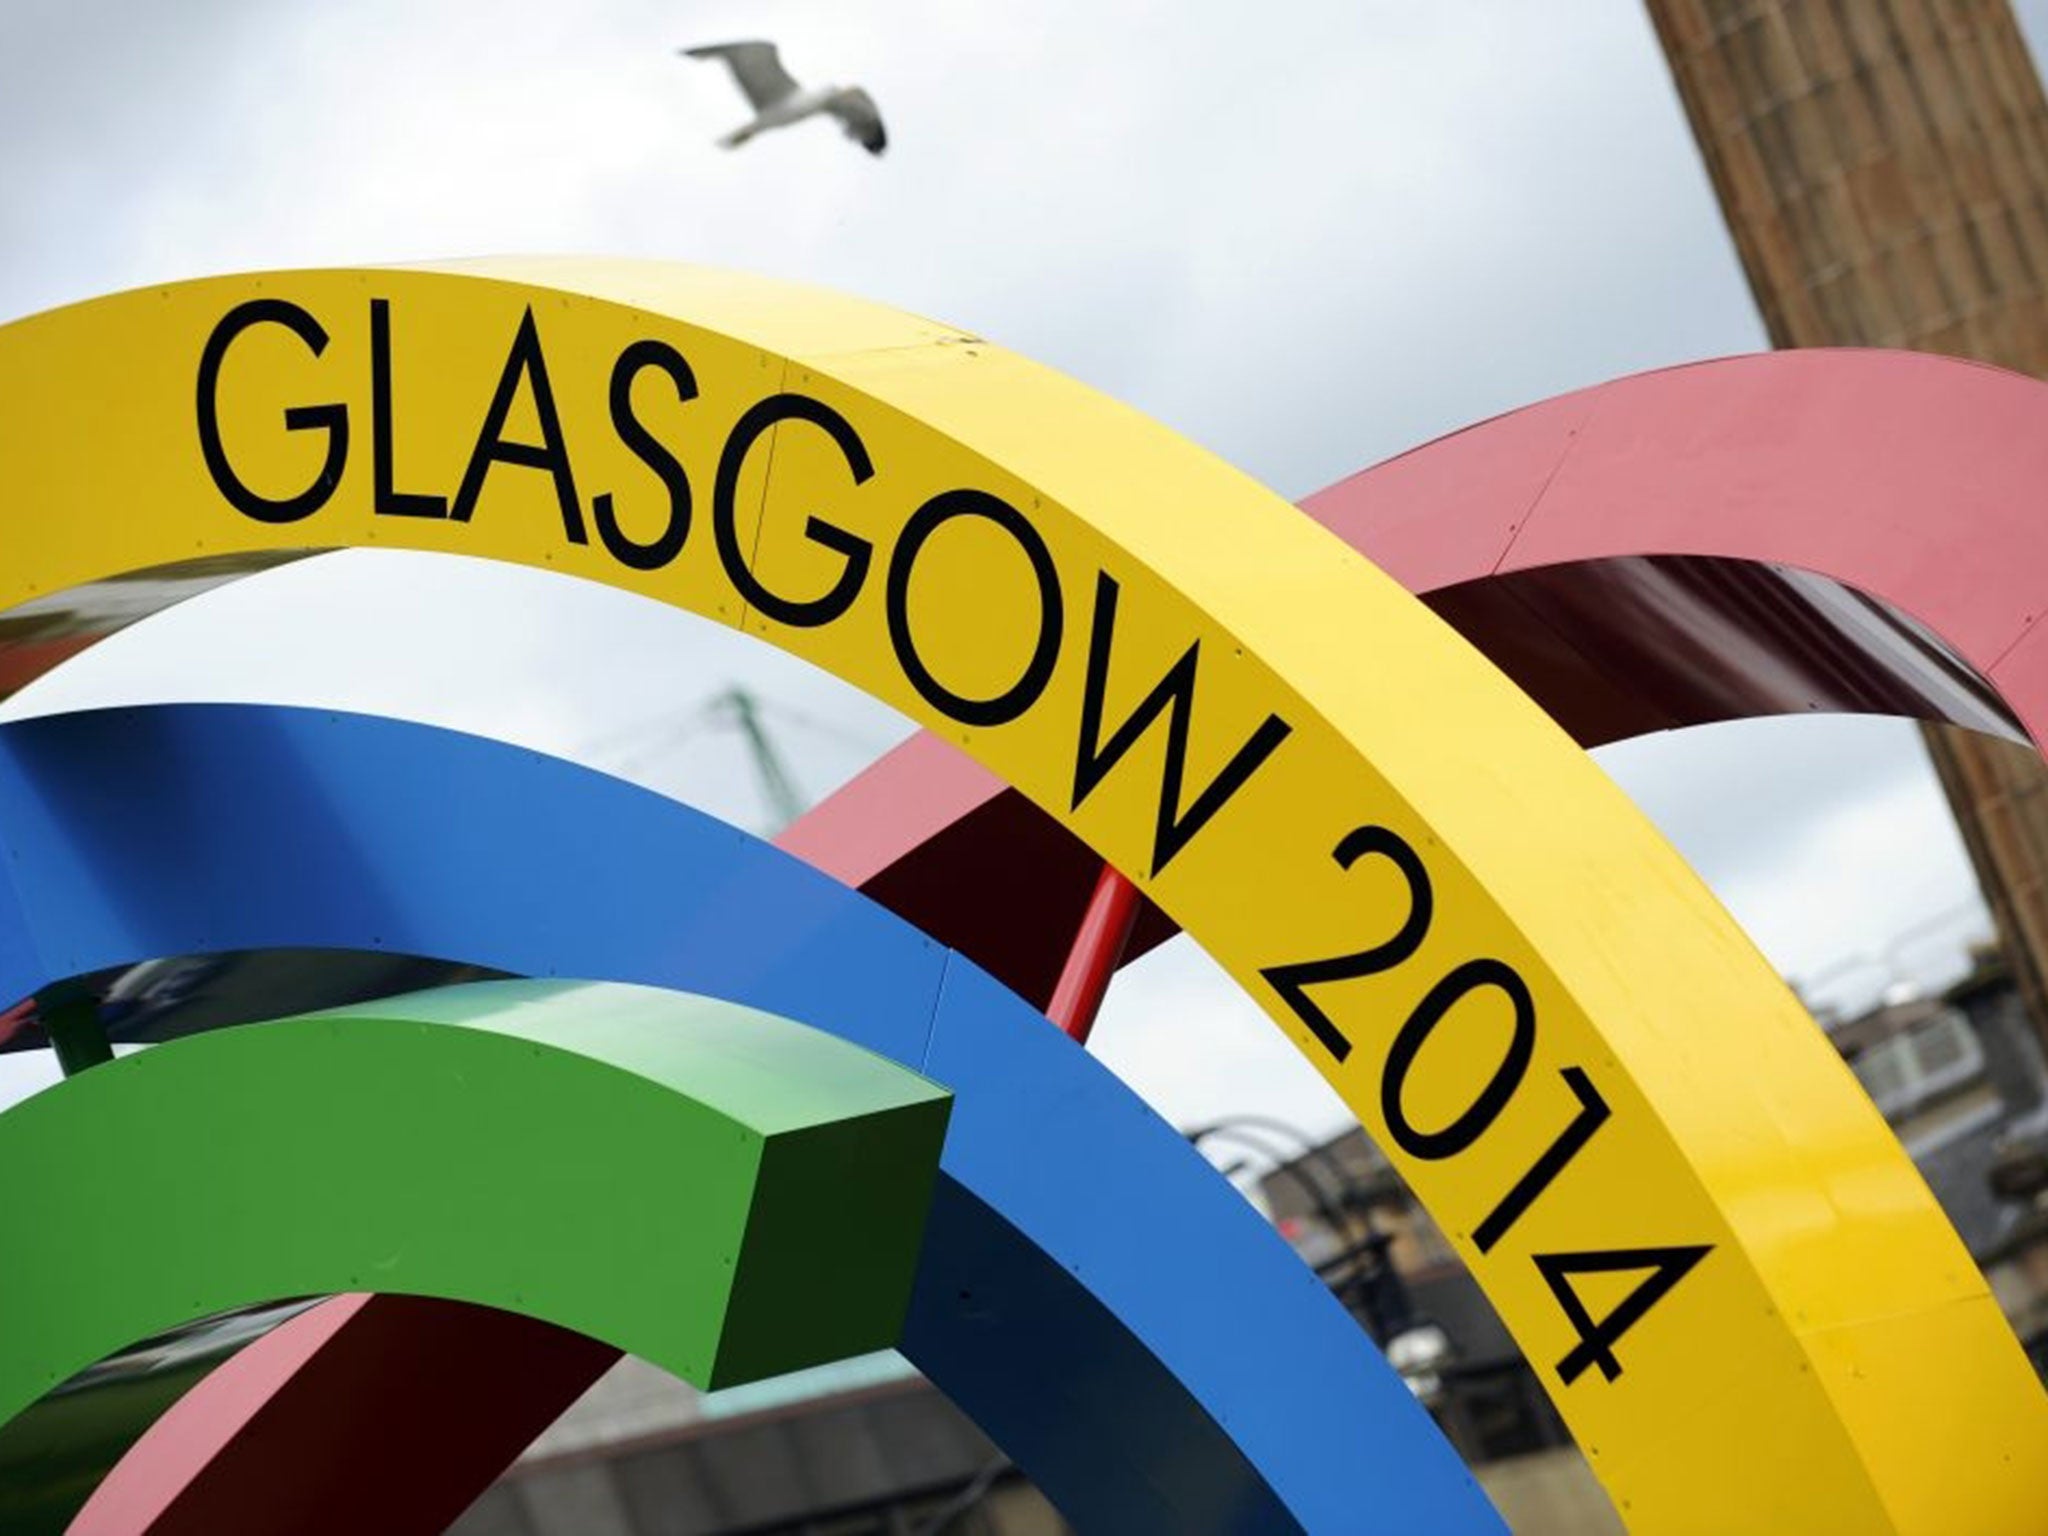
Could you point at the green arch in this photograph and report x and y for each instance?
(725, 1193)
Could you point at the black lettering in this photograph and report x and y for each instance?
(1667, 1267)
(1023, 693)
(1470, 1125)
(1292, 980)
(649, 450)
(1592, 1114)
(1173, 694)
(524, 361)
(389, 502)
(331, 419)
(806, 613)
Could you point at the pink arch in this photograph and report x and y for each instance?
(1844, 531)
(1806, 483)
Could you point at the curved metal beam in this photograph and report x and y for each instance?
(1082, 1265)
(667, 1173)
(1788, 533)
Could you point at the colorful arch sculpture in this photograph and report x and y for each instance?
(722, 1159)
(1078, 1252)
(972, 501)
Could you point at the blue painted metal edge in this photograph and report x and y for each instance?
(1092, 1292)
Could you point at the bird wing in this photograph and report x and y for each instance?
(856, 109)
(755, 68)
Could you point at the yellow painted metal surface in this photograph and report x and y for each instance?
(1735, 1285)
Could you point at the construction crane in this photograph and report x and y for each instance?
(742, 710)
(759, 721)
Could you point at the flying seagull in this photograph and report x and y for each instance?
(779, 101)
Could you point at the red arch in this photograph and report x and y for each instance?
(1844, 531)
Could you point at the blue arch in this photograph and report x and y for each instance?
(1102, 1303)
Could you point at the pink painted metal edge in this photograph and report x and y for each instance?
(1754, 496)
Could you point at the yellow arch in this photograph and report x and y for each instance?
(1587, 1073)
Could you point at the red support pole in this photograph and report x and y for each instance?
(1098, 946)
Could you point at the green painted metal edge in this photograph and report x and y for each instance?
(722, 1192)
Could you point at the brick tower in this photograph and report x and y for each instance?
(1883, 167)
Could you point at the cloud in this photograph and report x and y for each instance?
(1726, 793)
(1195, 1046)
(1307, 241)
(611, 679)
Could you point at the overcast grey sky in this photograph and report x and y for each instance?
(1308, 236)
